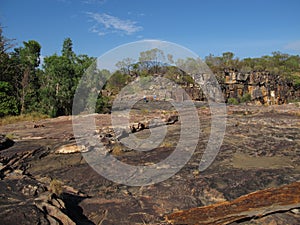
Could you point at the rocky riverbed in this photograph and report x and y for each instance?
(45, 178)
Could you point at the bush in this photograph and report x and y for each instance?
(246, 98)
(103, 105)
(232, 101)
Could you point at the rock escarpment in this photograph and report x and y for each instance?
(263, 87)
(260, 88)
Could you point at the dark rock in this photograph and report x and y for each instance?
(5, 142)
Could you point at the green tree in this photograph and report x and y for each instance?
(151, 60)
(60, 79)
(117, 81)
(8, 87)
(125, 65)
(27, 60)
(67, 49)
(8, 103)
(5, 62)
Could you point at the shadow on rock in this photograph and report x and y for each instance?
(5, 142)
(73, 210)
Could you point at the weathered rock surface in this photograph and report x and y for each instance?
(263, 88)
(260, 150)
(256, 204)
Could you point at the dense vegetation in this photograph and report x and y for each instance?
(28, 86)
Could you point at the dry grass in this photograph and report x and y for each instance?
(10, 136)
(25, 117)
(56, 187)
(167, 144)
(117, 149)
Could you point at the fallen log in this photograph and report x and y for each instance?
(256, 204)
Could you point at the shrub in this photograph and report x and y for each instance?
(232, 101)
(246, 98)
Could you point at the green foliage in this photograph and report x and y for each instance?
(233, 101)
(8, 104)
(179, 76)
(103, 104)
(245, 98)
(26, 60)
(125, 65)
(278, 64)
(295, 77)
(67, 50)
(60, 79)
(117, 81)
(153, 61)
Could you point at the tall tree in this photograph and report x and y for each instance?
(67, 49)
(125, 65)
(60, 79)
(27, 59)
(151, 60)
(6, 66)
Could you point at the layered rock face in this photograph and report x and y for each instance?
(263, 87)
(260, 88)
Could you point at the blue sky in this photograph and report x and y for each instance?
(247, 28)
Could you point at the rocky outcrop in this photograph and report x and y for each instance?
(257, 204)
(264, 88)
(258, 87)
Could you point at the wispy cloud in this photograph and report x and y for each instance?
(295, 46)
(106, 24)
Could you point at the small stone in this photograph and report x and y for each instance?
(196, 172)
(295, 211)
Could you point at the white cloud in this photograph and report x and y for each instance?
(293, 46)
(110, 24)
